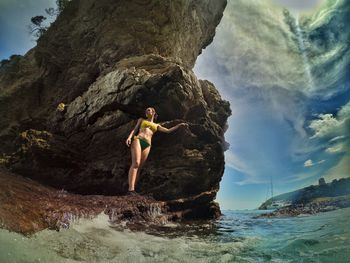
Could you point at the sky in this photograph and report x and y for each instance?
(290, 117)
(290, 110)
(15, 15)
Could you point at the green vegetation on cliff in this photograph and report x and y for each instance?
(308, 194)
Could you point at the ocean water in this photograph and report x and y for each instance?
(237, 237)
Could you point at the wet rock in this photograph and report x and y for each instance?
(27, 206)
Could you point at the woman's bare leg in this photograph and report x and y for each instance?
(136, 159)
(144, 155)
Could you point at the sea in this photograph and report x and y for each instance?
(236, 237)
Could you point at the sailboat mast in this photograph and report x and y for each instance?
(271, 190)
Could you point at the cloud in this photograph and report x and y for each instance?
(328, 53)
(265, 62)
(250, 176)
(326, 125)
(332, 127)
(340, 170)
(335, 129)
(305, 177)
(250, 61)
(309, 163)
(338, 144)
(344, 112)
(337, 138)
(299, 5)
(336, 148)
(256, 63)
(233, 161)
(266, 53)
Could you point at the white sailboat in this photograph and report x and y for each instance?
(275, 204)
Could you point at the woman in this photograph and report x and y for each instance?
(141, 144)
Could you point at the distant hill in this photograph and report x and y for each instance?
(305, 195)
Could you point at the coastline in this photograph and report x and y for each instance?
(317, 205)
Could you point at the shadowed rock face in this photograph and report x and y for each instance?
(107, 61)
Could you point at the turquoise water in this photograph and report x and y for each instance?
(237, 237)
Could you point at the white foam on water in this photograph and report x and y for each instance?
(95, 240)
(238, 238)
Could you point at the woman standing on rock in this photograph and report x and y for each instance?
(141, 144)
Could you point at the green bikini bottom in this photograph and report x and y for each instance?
(144, 144)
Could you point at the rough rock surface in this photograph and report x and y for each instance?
(28, 206)
(107, 61)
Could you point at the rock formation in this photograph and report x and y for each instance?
(68, 105)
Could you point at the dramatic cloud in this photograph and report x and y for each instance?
(325, 126)
(263, 46)
(327, 45)
(333, 128)
(257, 48)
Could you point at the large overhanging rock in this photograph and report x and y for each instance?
(69, 104)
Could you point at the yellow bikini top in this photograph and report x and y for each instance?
(147, 124)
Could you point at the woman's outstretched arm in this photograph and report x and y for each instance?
(163, 129)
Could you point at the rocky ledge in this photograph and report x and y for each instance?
(27, 206)
(68, 105)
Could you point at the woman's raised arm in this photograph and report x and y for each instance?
(166, 130)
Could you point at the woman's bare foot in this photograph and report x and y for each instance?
(132, 192)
